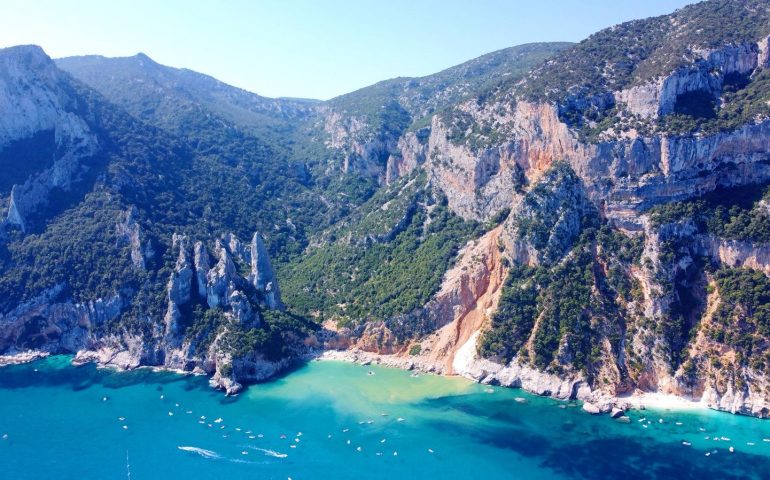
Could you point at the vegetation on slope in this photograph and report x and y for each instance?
(555, 315)
(389, 270)
(565, 310)
(393, 105)
(582, 80)
(642, 50)
(734, 214)
(742, 319)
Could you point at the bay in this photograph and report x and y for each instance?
(338, 420)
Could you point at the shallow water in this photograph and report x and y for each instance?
(59, 421)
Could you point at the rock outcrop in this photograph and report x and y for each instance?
(262, 276)
(412, 149)
(220, 279)
(179, 288)
(129, 234)
(706, 74)
(734, 253)
(52, 323)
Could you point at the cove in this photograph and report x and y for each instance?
(338, 420)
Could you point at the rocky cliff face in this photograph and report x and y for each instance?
(500, 152)
(431, 337)
(625, 177)
(50, 322)
(651, 335)
(380, 130)
(36, 97)
(469, 294)
(363, 149)
(709, 71)
(734, 253)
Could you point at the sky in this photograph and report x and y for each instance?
(308, 48)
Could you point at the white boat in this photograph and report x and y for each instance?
(200, 451)
(270, 453)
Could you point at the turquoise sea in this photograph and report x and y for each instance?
(338, 420)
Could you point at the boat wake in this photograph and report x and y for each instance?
(269, 453)
(201, 451)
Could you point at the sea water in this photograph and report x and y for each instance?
(338, 420)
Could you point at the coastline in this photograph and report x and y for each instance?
(22, 357)
(636, 401)
(30, 356)
(664, 401)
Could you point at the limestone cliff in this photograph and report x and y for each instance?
(36, 97)
(670, 130)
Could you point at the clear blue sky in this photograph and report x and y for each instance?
(308, 48)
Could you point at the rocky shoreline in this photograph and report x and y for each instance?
(116, 360)
(537, 383)
(593, 402)
(22, 357)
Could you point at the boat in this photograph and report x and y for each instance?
(200, 451)
(270, 453)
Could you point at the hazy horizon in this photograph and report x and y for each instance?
(307, 49)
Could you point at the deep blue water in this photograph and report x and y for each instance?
(64, 422)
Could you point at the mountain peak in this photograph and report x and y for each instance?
(32, 55)
(144, 60)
